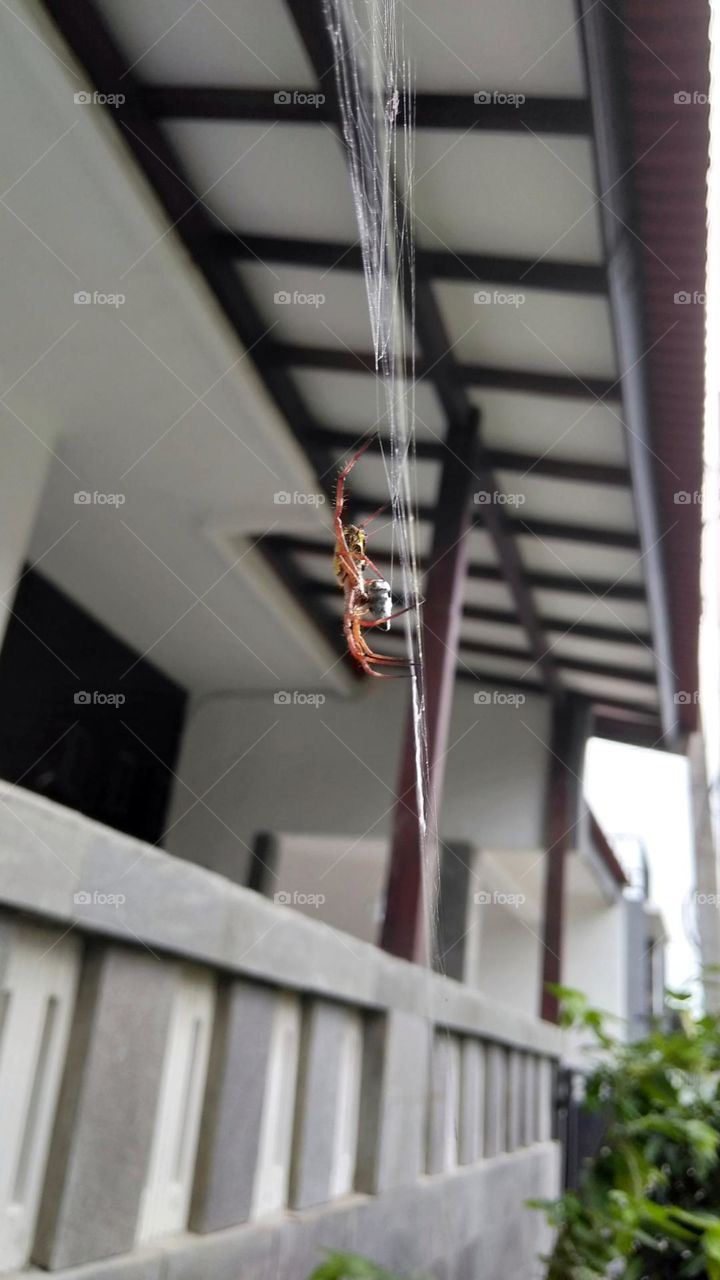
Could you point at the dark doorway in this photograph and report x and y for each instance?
(79, 722)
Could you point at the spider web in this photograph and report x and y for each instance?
(376, 95)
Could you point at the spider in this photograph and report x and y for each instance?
(368, 601)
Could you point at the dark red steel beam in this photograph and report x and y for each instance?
(606, 853)
(569, 116)
(602, 31)
(491, 514)
(404, 930)
(554, 468)
(562, 277)
(620, 724)
(570, 727)
(600, 587)
(626, 711)
(285, 355)
(506, 618)
(527, 464)
(604, 669)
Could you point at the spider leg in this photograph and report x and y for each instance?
(384, 659)
(378, 622)
(374, 568)
(358, 647)
(340, 491)
(364, 523)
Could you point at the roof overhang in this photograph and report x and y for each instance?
(590, 402)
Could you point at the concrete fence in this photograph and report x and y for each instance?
(195, 1081)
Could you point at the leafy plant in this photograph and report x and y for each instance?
(350, 1266)
(648, 1204)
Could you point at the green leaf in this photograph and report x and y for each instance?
(350, 1266)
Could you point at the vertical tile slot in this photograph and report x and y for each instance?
(36, 1095)
(191, 1072)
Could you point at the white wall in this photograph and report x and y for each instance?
(506, 964)
(596, 954)
(332, 769)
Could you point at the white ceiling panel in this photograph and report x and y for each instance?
(481, 547)
(269, 179)
(507, 194)
(583, 607)
(539, 498)
(506, 45)
(382, 538)
(625, 655)
(312, 308)
(509, 668)
(494, 595)
(372, 477)
(580, 560)
(605, 687)
(252, 45)
(318, 566)
(554, 426)
(355, 402)
(530, 329)
(494, 633)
